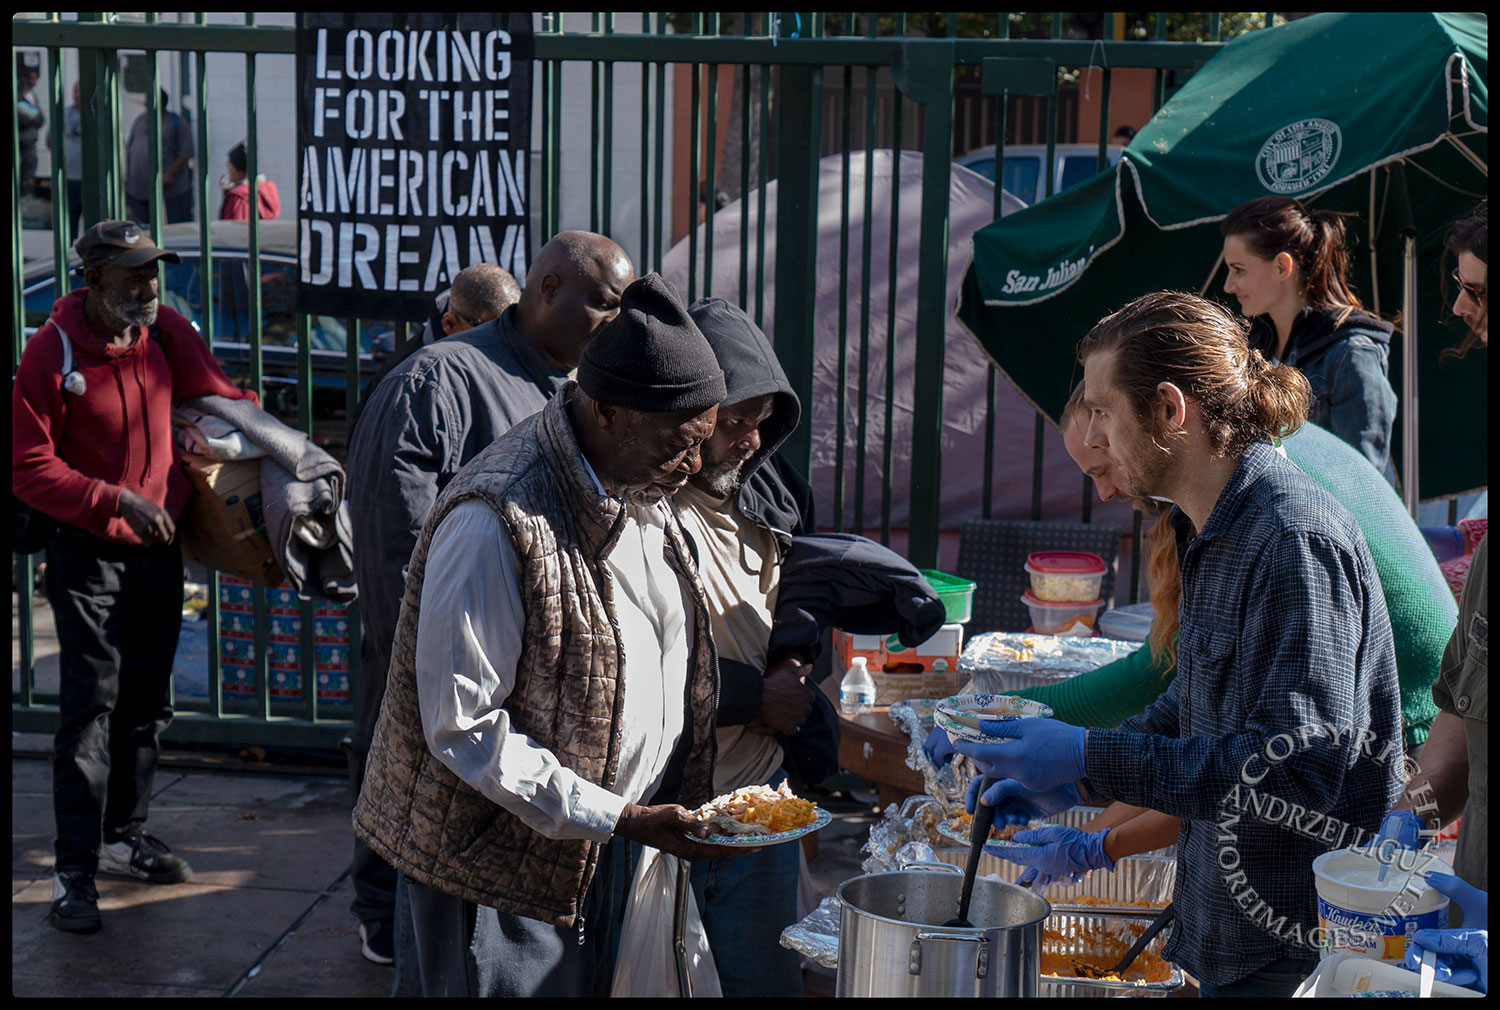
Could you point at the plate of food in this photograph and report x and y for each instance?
(957, 829)
(760, 815)
(960, 715)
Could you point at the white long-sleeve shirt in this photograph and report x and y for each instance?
(469, 639)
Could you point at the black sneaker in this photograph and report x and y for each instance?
(75, 902)
(377, 941)
(145, 858)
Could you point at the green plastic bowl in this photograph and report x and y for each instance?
(957, 594)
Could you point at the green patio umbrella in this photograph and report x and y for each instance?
(1383, 115)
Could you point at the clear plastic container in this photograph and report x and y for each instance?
(1065, 576)
(1062, 618)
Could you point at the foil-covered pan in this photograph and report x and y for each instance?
(817, 936)
(999, 662)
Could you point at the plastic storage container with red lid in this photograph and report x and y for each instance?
(1066, 576)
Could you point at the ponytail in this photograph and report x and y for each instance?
(1314, 239)
(1277, 398)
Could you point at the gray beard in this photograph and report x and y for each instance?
(119, 315)
(726, 484)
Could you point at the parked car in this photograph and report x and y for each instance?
(181, 289)
(1072, 163)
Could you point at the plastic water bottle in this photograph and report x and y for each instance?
(857, 689)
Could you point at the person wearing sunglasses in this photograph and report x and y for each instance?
(1453, 779)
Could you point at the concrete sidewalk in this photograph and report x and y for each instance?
(267, 910)
(266, 913)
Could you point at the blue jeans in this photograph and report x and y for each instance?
(745, 903)
(1279, 978)
(446, 946)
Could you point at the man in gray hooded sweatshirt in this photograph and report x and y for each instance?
(741, 511)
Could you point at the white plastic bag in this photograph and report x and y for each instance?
(647, 963)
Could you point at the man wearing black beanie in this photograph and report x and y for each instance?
(511, 752)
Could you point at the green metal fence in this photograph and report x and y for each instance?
(799, 57)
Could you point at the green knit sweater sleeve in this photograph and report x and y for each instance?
(1111, 694)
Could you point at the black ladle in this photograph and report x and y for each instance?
(1165, 916)
(979, 833)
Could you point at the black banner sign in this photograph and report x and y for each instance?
(414, 132)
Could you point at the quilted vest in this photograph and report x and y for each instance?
(429, 824)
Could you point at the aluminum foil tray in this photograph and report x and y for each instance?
(1148, 877)
(1075, 923)
(1000, 661)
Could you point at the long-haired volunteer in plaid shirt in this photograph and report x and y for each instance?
(1280, 738)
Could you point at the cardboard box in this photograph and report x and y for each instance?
(287, 658)
(930, 670)
(223, 526)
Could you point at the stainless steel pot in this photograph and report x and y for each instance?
(892, 941)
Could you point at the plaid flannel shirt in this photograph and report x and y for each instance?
(1280, 738)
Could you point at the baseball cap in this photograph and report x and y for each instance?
(121, 244)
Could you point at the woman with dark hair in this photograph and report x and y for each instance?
(1288, 268)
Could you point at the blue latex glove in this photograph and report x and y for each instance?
(1463, 953)
(1399, 829)
(1015, 804)
(938, 747)
(1065, 854)
(1041, 754)
(1404, 826)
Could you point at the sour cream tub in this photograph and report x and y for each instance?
(1361, 915)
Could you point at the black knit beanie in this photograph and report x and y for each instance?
(651, 357)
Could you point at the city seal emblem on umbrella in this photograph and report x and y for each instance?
(1297, 157)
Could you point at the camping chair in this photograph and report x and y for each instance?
(993, 553)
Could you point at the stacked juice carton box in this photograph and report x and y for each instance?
(930, 670)
(283, 644)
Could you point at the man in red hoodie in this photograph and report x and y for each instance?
(92, 448)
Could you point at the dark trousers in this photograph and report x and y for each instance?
(75, 206)
(373, 878)
(118, 611)
(174, 208)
